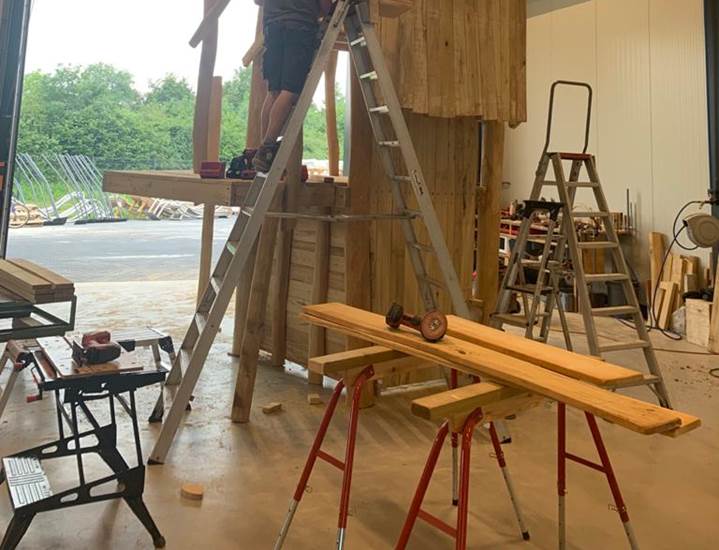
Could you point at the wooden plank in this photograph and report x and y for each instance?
(337, 363)
(17, 279)
(489, 215)
(461, 400)
(657, 246)
(633, 414)
(581, 367)
(58, 281)
(669, 291)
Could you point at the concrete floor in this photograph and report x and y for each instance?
(249, 472)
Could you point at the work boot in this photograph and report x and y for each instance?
(264, 156)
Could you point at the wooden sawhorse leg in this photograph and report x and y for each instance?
(459, 533)
(317, 452)
(605, 467)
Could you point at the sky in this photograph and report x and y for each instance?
(148, 38)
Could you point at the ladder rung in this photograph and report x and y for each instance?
(392, 143)
(590, 245)
(201, 321)
(620, 346)
(361, 41)
(216, 283)
(412, 213)
(530, 289)
(372, 75)
(587, 184)
(402, 179)
(646, 380)
(231, 247)
(613, 311)
(590, 214)
(605, 277)
(382, 110)
(516, 320)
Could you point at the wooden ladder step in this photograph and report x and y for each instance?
(515, 320)
(590, 214)
(530, 289)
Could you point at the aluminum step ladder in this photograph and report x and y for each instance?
(540, 297)
(567, 191)
(392, 136)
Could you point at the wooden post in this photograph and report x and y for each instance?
(206, 138)
(320, 285)
(488, 216)
(333, 143)
(256, 318)
(284, 259)
(214, 130)
(258, 92)
(357, 252)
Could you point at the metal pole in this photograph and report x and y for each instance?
(14, 23)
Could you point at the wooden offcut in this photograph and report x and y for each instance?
(633, 414)
(698, 322)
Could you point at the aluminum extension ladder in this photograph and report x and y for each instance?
(540, 297)
(392, 136)
(567, 190)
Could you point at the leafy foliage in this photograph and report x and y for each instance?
(96, 111)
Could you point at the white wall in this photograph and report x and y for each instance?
(646, 62)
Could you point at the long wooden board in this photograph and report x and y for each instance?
(582, 367)
(33, 282)
(633, 414)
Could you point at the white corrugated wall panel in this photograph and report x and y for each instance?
(646, 61)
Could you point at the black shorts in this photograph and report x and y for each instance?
(289, 52)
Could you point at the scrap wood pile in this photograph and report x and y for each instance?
(679, 274)
(538, 368)
(163, 209)
(34, 283)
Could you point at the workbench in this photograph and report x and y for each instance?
(74, 389)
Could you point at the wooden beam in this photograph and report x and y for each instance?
(333, 144)
(214, 132)
(488, 216)
(255, 321)
(209, 22)
(200, 128)
(461, 400)
(317, 344)
(630, 413)
(281, 291)
(337, 363)
(357, 247)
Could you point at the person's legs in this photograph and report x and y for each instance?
(281, 108)
(267, 107)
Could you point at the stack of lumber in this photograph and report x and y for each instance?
(680, 274)
(503, 367)
(34, 283)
